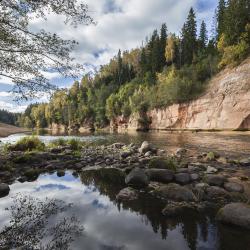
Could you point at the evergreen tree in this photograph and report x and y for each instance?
(163, 40)
(237, 16)
(203, 37)
(143, 62)
(119, 67)
(220, 16)
(189, 42)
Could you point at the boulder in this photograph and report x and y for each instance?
(234, 187)
(180, 151)
(177, 208)
(145, 147)
(217, 194)
(194, 177)
(211, 170)
(160, 175)
(126, 154)
(237, 214)
(215, 180)
(60, 173)
(137, 177)
(175, 192)
(127, 194)
(4, 190)
(182, 178)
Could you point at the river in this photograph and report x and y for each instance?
(81, 212)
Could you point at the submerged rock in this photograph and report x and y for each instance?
(127, 194)
(137, 177)
(237, 214)
(4, 190)
(175, 192)
(60, 173)
(160, 175)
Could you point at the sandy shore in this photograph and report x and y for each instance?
(6, 130)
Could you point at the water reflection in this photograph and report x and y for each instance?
(135, 225)
(226, 143)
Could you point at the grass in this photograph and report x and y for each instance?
(164, 163)
(28, 143)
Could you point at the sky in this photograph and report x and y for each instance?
(120, 24)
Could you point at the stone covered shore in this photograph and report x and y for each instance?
(183, 180)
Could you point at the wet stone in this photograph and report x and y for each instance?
(4, 190)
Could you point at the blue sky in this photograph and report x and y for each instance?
(121, 24)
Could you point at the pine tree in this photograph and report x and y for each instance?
(119, 67)
(237, 16)
(203, 37)
(143, 62)
(189, 41)
(220, 16)
(163, 40)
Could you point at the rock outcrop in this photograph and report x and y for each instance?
(225, 105)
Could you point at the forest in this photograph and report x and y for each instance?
(169, 68)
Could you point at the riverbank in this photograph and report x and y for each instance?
(6, 130)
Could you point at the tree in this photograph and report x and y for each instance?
(171, 52)
(163, 40)
(27, 55)
(220, 16)
(189, 42)
(203, 38)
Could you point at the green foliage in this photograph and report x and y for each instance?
(8, 117)
(164, 163)
(28, 143)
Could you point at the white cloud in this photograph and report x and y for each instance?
(121, 24)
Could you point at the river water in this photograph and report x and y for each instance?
(81, 212)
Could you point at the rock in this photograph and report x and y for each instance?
(216, 180)
(31, 174)
(234, 187)
(149, 153)
(126, 154)
(160, 175)
(160, 152)
(177, 208)
(127, 194)
(60, 173)
(180, 151)
(245, 162)
(237, 214)
(182, 170)
(217, 194)
(201, 185)
(175, 192)
(194, 177)
(137, 177)
(211, 170)
(145, 147)
(4, 190)
(182, 178)
(118, 145)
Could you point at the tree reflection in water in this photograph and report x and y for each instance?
(31, 225)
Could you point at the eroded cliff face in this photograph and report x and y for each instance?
(225, 105)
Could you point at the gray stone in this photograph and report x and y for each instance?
(127, 194)
(177, 208)
(180, 151)
(4, 190)
(245, 162)
(145, 147)
(137, 177)
(216, 180)
(201, 185)
(182, 178)
(160, 175)
(194, 177)
(175, 192)
(126, 154)
(217, 194)
(149, 153)
(237, 214)
(211, 170)
(182, 170)
(234, 187)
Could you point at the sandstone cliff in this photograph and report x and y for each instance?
(225, 105)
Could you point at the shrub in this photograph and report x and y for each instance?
(27, 143)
